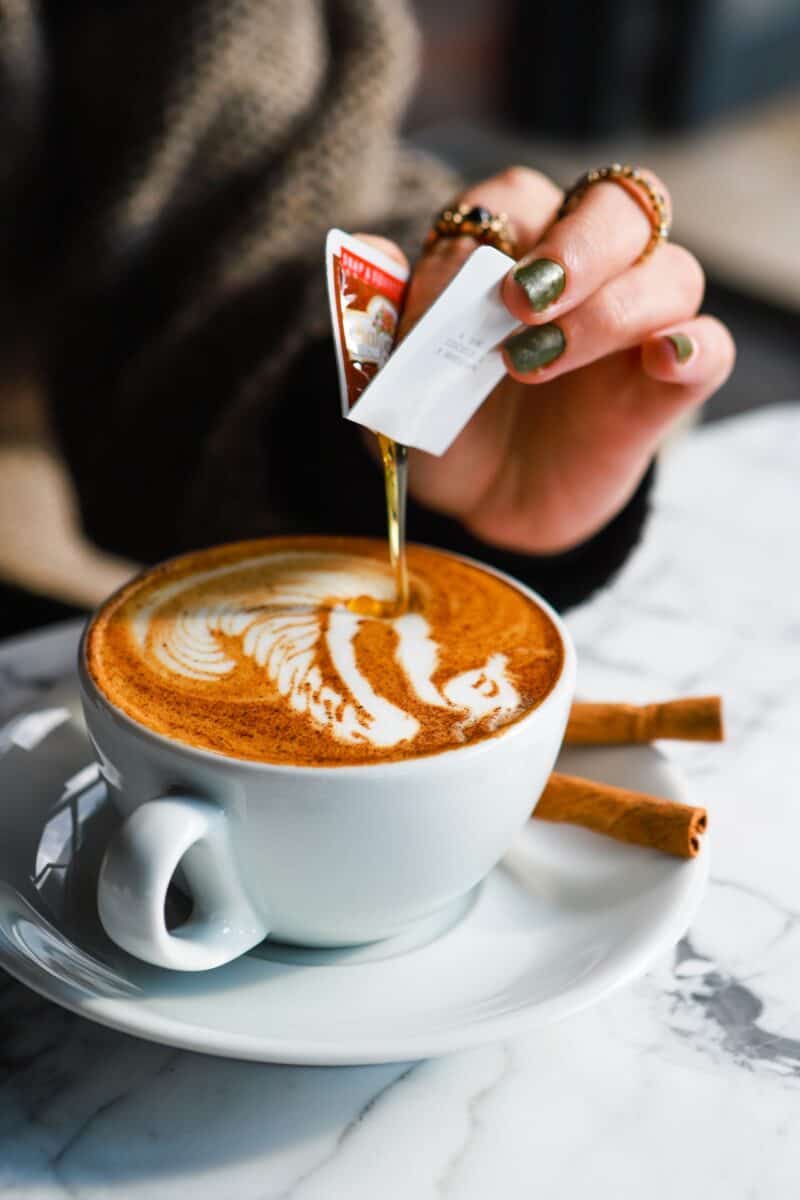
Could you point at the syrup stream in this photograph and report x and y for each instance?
(395, 476)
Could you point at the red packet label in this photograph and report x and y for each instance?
(366, 290)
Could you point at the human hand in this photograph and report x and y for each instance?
(610, 356)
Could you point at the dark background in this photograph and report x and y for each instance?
(564, 80)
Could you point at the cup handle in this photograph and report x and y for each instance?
(139, 863)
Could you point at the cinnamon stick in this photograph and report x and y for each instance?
(696, 719)
(627, 816)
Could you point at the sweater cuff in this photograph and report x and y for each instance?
(565, 579)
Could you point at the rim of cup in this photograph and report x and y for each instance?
(429, 762)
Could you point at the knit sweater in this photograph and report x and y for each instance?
(168, 175)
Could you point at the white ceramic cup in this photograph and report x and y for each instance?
(318, 856)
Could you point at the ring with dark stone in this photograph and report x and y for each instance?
(475, 221)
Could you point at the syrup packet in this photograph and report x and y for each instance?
(366, 290)
(447, 365)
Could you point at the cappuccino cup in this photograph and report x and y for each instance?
(309, 774)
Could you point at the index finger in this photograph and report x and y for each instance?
(527, 197)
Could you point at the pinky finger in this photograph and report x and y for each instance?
(698, 354)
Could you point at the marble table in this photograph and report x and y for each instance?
(685, 1084)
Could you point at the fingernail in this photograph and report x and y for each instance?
(535, 347)
(682, 344)
(542, 281)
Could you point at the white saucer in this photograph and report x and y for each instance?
(564, 920)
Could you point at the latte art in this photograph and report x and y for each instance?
(252, 651)
(281, 625)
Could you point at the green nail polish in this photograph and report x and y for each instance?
(682, 345)
(535, 347)
(543, 281)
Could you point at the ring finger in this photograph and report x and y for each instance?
(667, 288)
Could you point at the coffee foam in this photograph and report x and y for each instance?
(250, 650)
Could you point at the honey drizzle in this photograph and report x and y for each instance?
(395, 477)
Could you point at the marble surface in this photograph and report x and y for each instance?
(685, 1084)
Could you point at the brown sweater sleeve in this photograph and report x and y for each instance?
(184, 163)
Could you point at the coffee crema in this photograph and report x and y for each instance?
(250, 650)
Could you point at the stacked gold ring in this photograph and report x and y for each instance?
(472, 220)
(638, 186)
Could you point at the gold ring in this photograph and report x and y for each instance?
(637, 186)
(472, 220)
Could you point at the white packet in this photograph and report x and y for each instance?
(447, 365)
